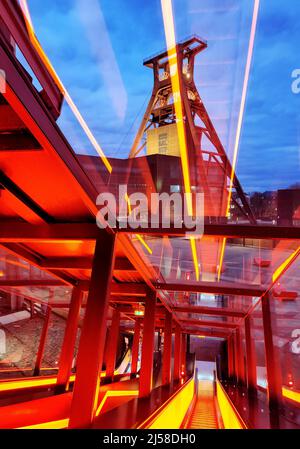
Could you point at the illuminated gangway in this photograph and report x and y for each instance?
(91, 293)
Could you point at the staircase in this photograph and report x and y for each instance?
(204, 415)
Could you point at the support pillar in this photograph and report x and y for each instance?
(230, 357)
(135, 347)
(183, 355)
(272, 363)
(250, 354)
(167, 354)
(239, 358)
(177, 353)
(67, 350)
(40, 353)
(91, 346)
(113, 342)
(146, 373)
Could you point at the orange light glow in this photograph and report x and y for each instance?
(60, 85)
(173, 412)
(138, 236)
(277, 273)
(243, 101)
(168, 19)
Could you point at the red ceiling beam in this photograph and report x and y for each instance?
(47, 233)
(225, 230)
(124, 289)
(212, 334)
(217, 311)
(220, 288)
(202, 323)
(81, 263)
(18, 232)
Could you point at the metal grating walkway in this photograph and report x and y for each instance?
(203, 415)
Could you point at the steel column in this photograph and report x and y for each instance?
(146, 376)
(135, 347)
(183, 355)
(177, 352)
(272, 363)
(67, 350)
(91, 347)
(167, 354)
(230, 357)
(240, 358)
(250, 354)
(40, 353)
(113, 341)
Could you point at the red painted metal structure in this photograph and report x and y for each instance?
(51, 231)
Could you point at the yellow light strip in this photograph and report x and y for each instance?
(290, 394)
(167, 11)
(40, 382)
(243, 100)
(29, 383)
(277, 273)
(60, 85)
(172, 413)
(230, 418)
(63, 423)
(59, 424)
(195, 258)
(221, 257)
(138, 236)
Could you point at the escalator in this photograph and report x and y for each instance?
(204, 413)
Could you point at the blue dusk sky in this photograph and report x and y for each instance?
(98, 46)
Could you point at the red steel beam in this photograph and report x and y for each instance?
(210, 333)
(240, 357)
(12, 16)
(67, 350)
(81, 263)
(225, 230)
(230, 357)
(91, 346)
(183, 355)
(146, 372)
(26, 232)
(202, 323)
(167, 352)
